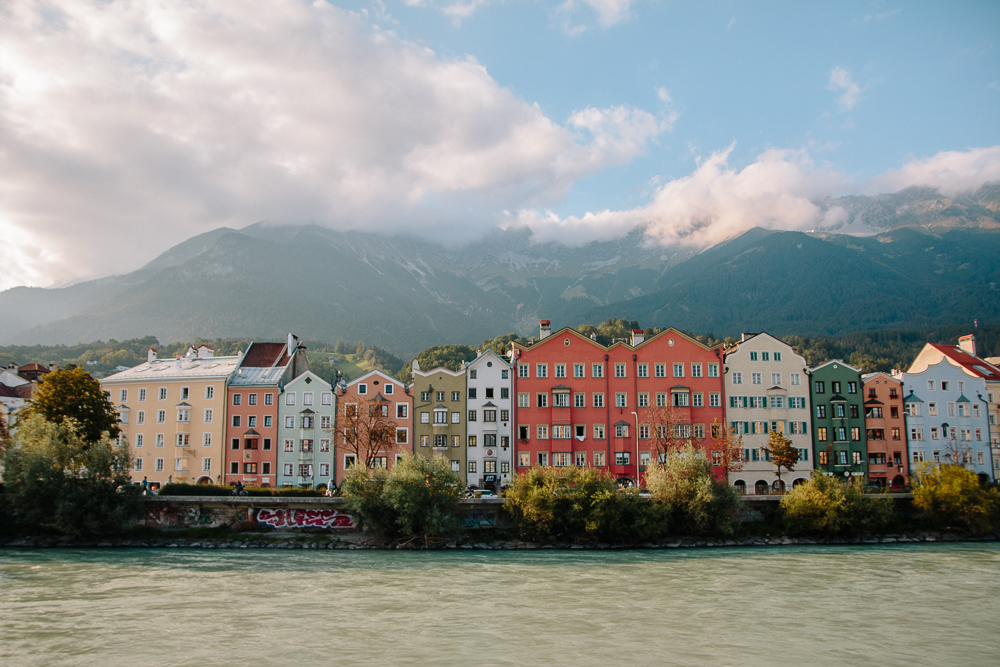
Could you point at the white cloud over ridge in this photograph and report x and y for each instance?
(840, 79)
(779, 190)
(123, 121)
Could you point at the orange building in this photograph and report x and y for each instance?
(363, 436)
(885, 431)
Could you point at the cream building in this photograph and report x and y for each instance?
(173, 415)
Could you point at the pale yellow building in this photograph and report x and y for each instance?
(173, 415)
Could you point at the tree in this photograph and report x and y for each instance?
(668, 432)
(782, 452)
(727, 448)
(74, 395)
(951, 496)
(55, 478)
(700, 503)
(827, 506)
(4, 434)
(365, 429)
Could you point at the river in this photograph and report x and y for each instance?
(873, 605)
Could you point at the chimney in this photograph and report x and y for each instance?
(544, 329)
(177, 361)
(205, 352)
(415, 365)
(151, 354)
(292, 341)
(638, 335)
(593, 335)
(53, 366)
(968, 343)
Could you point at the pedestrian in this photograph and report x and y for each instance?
(145, 486)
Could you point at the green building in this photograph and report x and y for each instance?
(838, 419)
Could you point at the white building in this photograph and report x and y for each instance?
(947, 416)
(489, 427)
(767, 389)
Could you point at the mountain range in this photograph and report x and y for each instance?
(909, 259)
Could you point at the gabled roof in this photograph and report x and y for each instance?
(975, 365)
(381, 375)
(621, 423)
(251, 432)
(874, 401)
(962, 399)
(835, 361)
(912, 398)
(265, 355)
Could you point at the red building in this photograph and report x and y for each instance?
(580, 403)
(252, 410)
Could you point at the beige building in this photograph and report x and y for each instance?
(439, 418)
(173, 415)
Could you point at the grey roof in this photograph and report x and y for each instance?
(488, 404)
(441, 406)
(912, 398)
(255, 375)
(167, 369)
(963, 399)
(622, 423)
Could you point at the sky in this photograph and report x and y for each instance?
(128, 127)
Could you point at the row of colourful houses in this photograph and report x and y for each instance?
(261, 417)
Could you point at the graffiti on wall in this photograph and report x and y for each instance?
(281, 518)
(187, 517)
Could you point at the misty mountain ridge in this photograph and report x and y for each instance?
(915, 258)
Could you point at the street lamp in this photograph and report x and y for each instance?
(634, 414)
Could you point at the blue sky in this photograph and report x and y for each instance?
(127, 127)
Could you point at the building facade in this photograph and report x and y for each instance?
(946, 421)
(838, 420)
(306, 414)
(964, 355)
(885, 431)
(439, 420)
(172, 414)
(580, 403)
(374, 424)
(252, 412)
(489, 428)
(767, 389)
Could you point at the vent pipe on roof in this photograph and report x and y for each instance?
(968, 343)
(544, 329)
(638, 335)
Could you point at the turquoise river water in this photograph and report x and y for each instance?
(874, 605)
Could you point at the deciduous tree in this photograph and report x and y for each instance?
(74, 395)
(366, 429)
(727, 448)
(782, 452)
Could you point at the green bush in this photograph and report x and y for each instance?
(178, 489)
(699, 503)
(580, 503)
(418, 499)
(57, 480)
(825, 505)
(952, 497)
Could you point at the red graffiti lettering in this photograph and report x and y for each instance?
(304, 519)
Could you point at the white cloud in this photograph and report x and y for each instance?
(777, 191)
(840, 79)
(951, 172)
(607, 12)
(121, 123)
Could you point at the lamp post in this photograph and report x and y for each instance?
(636, 415)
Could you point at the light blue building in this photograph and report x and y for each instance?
(306, 413)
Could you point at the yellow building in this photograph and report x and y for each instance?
(173, 415)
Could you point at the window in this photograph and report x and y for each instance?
(362, 388)
(835, 386)
(621, 400)
(932, 409)
(206, 439)
(504, 392)
(821, 434)
(161, 416)
(842, 458)
(142, 394)
(440, 416)
(543, 458)
(713, 370)
(542, 431)
(737, 378)
(714, 400)
(504, 375)
(522, 370)
(290, 398)
(159, 439)
(523, 459)
(930, 385)
(184, 415)
(580, 459)
(753, 356)
(621, 458)
(472, 393)
(855, 412)
(643, 431)
(505, 415)
(643, 370)
(439, 396)
(599, 458)
(578, 370)
(944, 385)
(522, 400)
(140, 417)
(696, 370)
(597, 370)
(598, 400)
(425, 396)
(440, 440)
(456, 417)
(252, 422)
(180, 464)
(951, 409)
(681, 399)
(621, 430)
(755, 378)
(158, 465)
(491, 415)
(916, 434)
(183, 439)
(660, 370)
(820, 387)
(661, 400)
(599, 433)
(643, 400)
(163, 393)
(561, 459)
(473, 373)
(138, 439)
(776, 379)
(138, 464)
(326, 398)
(560, 370)
(542, 400)
(541, 370)
(678, 370)
(560, 399)
(619, 370)
(579, 400)
(123, 396)
(562, 431)
(472, 466)
(237, 399)
(456, 396)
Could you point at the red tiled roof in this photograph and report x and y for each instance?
(33, 367)
(264, 355)
(979, 367)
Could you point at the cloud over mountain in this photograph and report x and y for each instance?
(117, 119)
